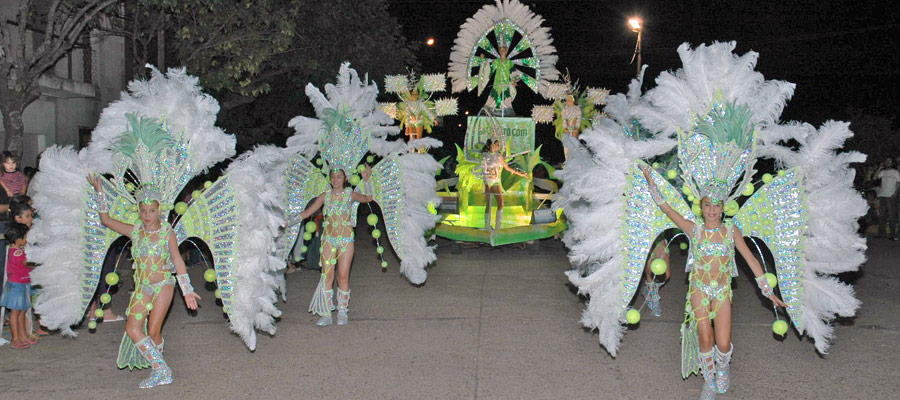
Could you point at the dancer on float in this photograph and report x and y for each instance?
(156, 259)
(337, 240)
(492, 163)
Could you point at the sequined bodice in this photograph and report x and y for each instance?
(491, 164)
(144, 250)
(712, 250)
(337, 205)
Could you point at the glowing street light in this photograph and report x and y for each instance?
(430, 41)
(635, 24)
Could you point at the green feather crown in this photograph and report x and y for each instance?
(152, 159)
(718, 151)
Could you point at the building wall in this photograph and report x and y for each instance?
(72, 98)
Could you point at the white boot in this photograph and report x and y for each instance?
(723, 367)
(343, 300)
(708, 371)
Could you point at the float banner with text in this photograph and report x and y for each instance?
(518, 132)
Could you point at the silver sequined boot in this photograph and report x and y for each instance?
(161, 375)
(499, 218)
(487, 214)
(343, 300)
(708, 371)
(723, 366)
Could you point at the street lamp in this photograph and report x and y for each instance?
(430, 41)
(635, 24)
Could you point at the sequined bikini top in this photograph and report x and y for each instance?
(142, 248)
(490, 164)
(702, 246)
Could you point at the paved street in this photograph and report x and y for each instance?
(488, 324)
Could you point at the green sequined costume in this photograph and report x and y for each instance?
(711, 261)
(153, 270)
(340, 218)
(503, 82)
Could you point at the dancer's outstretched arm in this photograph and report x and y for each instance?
(117, 226)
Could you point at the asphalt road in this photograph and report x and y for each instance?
(496, 323)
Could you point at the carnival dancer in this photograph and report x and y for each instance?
(721, 114)
(337, 241)
(713, 243)
(156, 259)
(492, 163)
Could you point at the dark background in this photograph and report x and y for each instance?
(843, 55)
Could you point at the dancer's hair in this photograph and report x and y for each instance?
(488, 145)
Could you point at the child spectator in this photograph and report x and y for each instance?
(17, 290)
(12, 180)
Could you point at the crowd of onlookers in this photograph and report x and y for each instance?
(880, 182)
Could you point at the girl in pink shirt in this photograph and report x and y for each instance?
(17, 290)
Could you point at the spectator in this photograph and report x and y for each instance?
(888, 204)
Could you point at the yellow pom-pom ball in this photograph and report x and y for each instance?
(376, 233)
(379, 250)
(207, 184)
(307, 236)
(92, 325)
(303, 249)
(129, 187)
(384, 264)
(360, 168)
(655, 165)
(780, 327)
(781, 172)
(354, 180)
(98, 313)
(771, 279)
(180, 208)
(196, 194)
(370, 159)
(658, 266)
(731, 208)
(319, 162)
(767, 178)
(691, 198)
(133, 208)
(687, 190)
(209, 275)
(105, 298)
(310, 226)
(218, 294)
(372, 219)
(112, 279)
(671, 174)
(748, 190)
(633, 316)
(683, 246)
(696, 209)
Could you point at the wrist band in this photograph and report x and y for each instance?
(764, 286)
(184, 282)
(654, 194)
(100, 198)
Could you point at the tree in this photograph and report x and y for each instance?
(61, 26)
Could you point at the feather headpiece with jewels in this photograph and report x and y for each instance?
(152, 161)
(718, 151)
(342, 142)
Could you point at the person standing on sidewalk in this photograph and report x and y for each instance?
(888, 197)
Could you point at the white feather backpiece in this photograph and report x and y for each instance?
(56, 244)
(260, 220)
(417, 170)
(595, 180)
(833, 245)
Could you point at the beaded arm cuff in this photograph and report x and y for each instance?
(654, 194)
(100, 199)
(184, 282)
(764, 286)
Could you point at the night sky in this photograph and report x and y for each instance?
(843, 55)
